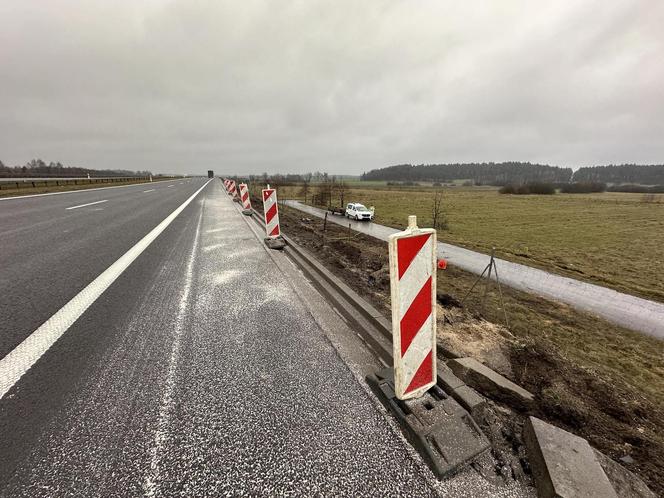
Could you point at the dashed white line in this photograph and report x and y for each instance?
(88, 204)
(151, 190)
(26, 354)
(171, 186)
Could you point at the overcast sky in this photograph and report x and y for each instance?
(250, 86)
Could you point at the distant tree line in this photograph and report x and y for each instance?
(520, 173)
(480, 173)
(624, 173)
(38, 168)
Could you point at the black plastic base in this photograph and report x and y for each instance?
(275, 243)
(435, 424)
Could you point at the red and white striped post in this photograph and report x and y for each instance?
(232, 191)
(244, 198)
(271, 211)
(227, 184)
(413, 288)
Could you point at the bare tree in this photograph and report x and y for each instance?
(342, 188)
(439, 220)
(306, 182)
(325, 190)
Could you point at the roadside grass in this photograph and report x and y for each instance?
(14, 192)
(611, 239)
(590, 342)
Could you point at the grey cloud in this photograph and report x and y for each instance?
(339, 85)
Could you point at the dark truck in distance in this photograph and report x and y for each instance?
(210, 173)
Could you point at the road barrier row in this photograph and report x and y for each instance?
(8, 183)
(413, 265)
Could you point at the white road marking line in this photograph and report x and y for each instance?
(26, 354)
(171, 186)
(88, 204)
(152, 480)
(18, 197)
(151, 190)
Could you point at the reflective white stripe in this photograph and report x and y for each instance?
(417, 351)
(23, 356)
(415, 276)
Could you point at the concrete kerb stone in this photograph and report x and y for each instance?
(564, 465)
(491, 383)
(463, 394)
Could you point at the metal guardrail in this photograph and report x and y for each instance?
(19, 183)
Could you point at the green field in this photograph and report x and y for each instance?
(612, 239)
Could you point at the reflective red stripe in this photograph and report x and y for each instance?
(408, 248)
(423, 375)
(270, 213)
(417, 314)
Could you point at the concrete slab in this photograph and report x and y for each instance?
(564, 465)
(491, 383)
(625, 483)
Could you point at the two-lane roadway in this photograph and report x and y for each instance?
(152, 347)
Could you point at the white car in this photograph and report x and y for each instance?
(358, 212)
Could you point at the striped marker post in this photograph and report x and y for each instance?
(226, 184)
(232, 191)
(271, 211)
(413, 289)
(244, 198)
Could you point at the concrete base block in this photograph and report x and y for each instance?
(236, 199)
(247, 212)
(564, 465)
(275, 243)
(491, 383)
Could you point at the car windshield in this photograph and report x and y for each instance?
(360, 207)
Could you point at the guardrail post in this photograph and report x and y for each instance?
(412, 255)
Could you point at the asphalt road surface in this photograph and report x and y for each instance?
(628, 311)
(150, 345)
